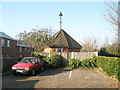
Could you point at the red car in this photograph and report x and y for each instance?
(28, 65)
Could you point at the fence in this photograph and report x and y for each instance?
(76, 55)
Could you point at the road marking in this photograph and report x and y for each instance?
(70, 74)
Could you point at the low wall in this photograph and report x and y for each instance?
(8, 62)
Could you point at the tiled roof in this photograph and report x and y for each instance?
(63, 40)
(3, 35)
(22, 45)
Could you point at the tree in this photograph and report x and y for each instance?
(113, 13)
(113, 17)
(112, 48)
(37, 38)
(90, 44)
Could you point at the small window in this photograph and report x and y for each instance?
(29, 49)
(3, 42)
(25, 49)
(8, 43)
(58, 50)
(20, 49)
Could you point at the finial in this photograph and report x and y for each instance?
(60, 20)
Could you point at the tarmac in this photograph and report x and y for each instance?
(6, 73)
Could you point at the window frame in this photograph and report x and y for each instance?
(3, 42)
(8, 43)
(59, 50)
(20, 49)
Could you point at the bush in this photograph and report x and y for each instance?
(73, 63)
(110, 65)
(53, 61)
(89, 63)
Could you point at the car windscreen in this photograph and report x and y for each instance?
(27, 60)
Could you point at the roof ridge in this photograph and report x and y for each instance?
(66, 38)
(71, 38)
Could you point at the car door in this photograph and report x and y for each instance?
(39, 63)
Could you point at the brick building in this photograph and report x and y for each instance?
(10, 47)
(11, 51)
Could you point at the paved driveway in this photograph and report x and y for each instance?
(61, 78)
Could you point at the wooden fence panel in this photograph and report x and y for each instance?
(77, 55)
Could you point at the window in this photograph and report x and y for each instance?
(29, 49)
(25, 49)
(58, 50)
(8, 43)
(20, 49)
(3, 42)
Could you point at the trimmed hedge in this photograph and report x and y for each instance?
(110, 65)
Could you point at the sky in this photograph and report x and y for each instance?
(81, 20)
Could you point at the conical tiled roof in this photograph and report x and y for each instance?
(63, 40)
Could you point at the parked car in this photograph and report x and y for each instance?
(28, 65)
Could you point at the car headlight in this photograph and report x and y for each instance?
(13, 68)
(26, 68)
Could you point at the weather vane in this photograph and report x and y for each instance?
(60, 20)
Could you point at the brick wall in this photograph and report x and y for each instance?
(10, 51)
(25, 51)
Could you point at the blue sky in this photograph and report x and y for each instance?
(80, 19)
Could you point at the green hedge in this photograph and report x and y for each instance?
(87, 63)
(110, 65)
(53, 61)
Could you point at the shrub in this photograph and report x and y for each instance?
(73, 63)
(53, 61)
(110, 65)
(91, 62)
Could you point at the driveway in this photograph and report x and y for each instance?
(61, 78)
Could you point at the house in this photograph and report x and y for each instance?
(10, 47)
(24, 50)
(11, 51)
(63, 42)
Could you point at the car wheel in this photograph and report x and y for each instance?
(33, 72)
(42, 68)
